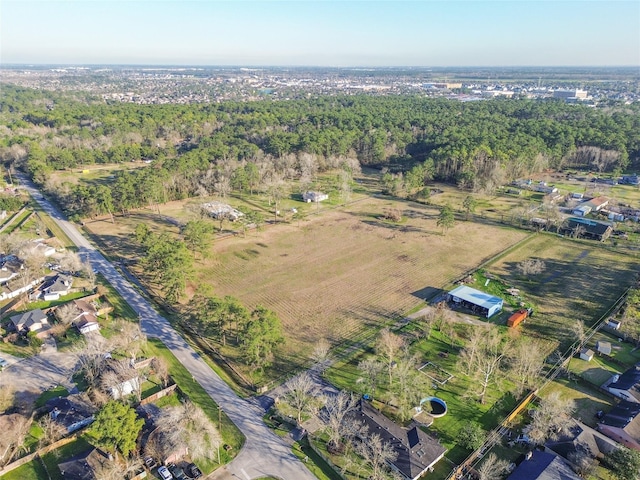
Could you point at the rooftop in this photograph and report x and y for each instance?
(476, 297)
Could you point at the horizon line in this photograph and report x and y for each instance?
(255, 66)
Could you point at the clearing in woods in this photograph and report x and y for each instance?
(347, 271)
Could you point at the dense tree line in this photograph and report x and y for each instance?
(246, 146)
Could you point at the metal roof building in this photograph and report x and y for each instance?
(480, 302)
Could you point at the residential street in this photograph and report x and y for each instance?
(264, 453)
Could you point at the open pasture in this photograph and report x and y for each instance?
(346, 272)
(581, 282)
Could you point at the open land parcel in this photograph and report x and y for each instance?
(348, 272)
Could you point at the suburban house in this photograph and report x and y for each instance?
(72, 412)
(7, 291)
(85, 316)
(597, 203)
(119, 378)
(585, 227)
(622, 424)
(10, 267)
(542, 187)
(475, 300)
(31, 321)
(626, 386)
(39, 247)
(314, 197)
(582, 439)
(56, 287)
(85, 466)
(539, 465)
(416, 451)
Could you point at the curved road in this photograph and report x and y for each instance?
(264, 453)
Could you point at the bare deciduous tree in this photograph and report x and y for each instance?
(119, 378)
(531, 266)
(376, 453)
(410, 386)
(161, 369)
(389, 345)
(370, 370)
(130, 339)
(552, 418)
(66, 313)
(526, 359)
(188, 426)
(468, 355)
(492, 468)
(486, 360)
(337, 409)
(71, 262)
(14, 428)
(51, 430)
(302, 394)
(321, 354)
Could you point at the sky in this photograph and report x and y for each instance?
(321, 33)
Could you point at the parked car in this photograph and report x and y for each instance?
(177, 472)
(150, 463)
(3, 363)
(193, 471)
(164, 473)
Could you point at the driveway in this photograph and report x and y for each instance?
(31, 376)
(264, 453)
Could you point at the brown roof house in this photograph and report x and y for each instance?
(31, 321)
(416, 451)
(84, 316)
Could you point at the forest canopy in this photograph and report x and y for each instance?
(238, 146)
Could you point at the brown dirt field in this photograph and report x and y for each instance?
(346, 271)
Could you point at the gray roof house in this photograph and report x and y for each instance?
(584, 439)
(416, 451)
(57, 287)
(72, 412)
(85, 466)
(622, 424)
(627, 385)
(539, 465)
(31, 321)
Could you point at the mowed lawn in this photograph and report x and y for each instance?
(581, 282)
(347, 272)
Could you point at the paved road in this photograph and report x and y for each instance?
(264, 453)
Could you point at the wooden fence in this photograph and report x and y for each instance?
(31, 456)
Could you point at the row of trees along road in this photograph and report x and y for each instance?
(255, 146)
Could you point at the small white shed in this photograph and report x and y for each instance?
(603, 347)
(586, 354)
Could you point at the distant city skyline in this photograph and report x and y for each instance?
(321, 33)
